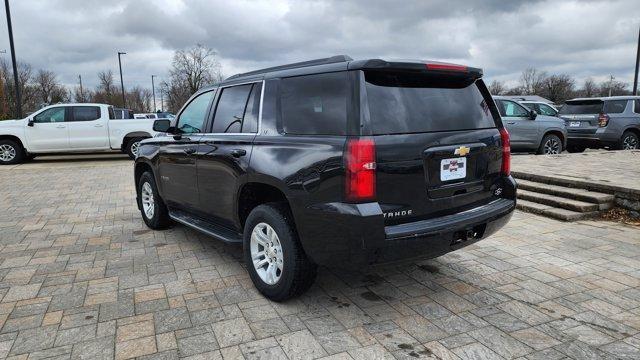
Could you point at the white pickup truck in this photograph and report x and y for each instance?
(71, 128)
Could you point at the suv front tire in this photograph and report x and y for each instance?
(154, 211)
(275, 260)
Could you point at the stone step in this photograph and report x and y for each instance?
(605, 200)
(553, 212)
(558, 202)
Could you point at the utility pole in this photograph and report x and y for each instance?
(161, 100)
(81, 93)
(611, 77)
(635, 77)
(13, 61)
(124, 102)
(153, 91)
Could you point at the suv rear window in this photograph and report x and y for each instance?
(314, 104)
(401, 103)
(582, 107)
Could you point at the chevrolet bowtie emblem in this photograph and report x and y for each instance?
(462, 151)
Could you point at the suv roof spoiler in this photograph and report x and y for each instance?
(416, 65)
(323, 61)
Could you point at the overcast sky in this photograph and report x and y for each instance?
(71, 37)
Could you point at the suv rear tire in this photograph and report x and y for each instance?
(629, 141)
(132, 147)
(154, 211)
(550, 144)
(11, 152)
(281, 269)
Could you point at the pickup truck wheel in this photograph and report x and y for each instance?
(154, 211)
(276, 262)
(10, 152)
(550, 144)
(132, 147)
(629, 141)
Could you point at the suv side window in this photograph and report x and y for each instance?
(85, 113)
(191, 120)
(615, 106)
(251, 113)
(55, 114)
(230, 109)
(547, 110)
(314, 104)
(636, 107)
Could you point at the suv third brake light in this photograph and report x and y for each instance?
(506, 152)
(603, 120)
(446, 67)
(360, 170)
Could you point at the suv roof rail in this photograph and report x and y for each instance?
(323, 61)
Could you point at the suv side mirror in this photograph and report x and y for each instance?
(30, 122)
(533, 115)
(162, 125)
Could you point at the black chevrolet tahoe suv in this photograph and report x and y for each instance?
(332, 162)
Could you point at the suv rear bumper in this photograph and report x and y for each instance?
(352, 235)
(601, 137)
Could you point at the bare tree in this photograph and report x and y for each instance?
(191, 69)
(497, 88)
(81, 97)
(106, 90)
(558, 88)
(139, 99)
(589, 89)
(532, 81)
(27, 90)
(617, 88)
(48, 89)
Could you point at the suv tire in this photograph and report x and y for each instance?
(575, 148)
(629, 141)
(11, 152)
(550, 144)
(132, 147)
(284, 271)
(154, 211)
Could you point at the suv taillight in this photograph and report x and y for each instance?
(506, 152)
(603, 120)
(360, 170)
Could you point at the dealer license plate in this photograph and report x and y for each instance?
(574, 124)
(453, 169)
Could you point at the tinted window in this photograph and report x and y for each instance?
(112, 115)
(636, 107)
(582, 107)
(230, 109)
(192, 117)
(250, 122)
(407, 103)
(50, 115)
(314, 104)
(615, 106)
(86, 113)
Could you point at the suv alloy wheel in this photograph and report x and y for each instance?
(551, 144)
(275, 260)
(154, 211)
(629, 141)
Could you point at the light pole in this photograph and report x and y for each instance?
(124, 103)
(635, 77)
(153, 91)
(13, 60)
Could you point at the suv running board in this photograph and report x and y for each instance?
(206, 227)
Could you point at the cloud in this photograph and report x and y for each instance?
(580, 38)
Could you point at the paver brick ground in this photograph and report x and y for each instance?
(82, 277)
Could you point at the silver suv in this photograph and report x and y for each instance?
(606, 122)
(529, 131)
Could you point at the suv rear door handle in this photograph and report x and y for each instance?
(189, 151)
(238, 152)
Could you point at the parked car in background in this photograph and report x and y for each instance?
(70, 128)
(122, 113)
(541, 108)
(165, 115)
(605, 122)
(332, 162)
(153, 116)
(529, 131)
